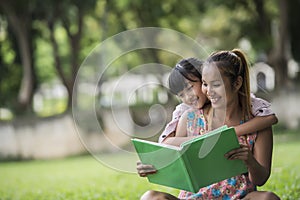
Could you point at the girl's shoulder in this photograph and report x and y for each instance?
(260, 107)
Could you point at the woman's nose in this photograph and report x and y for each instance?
(209, 91)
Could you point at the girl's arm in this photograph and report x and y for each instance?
(177, 141)
(171, 126)
(181, 130)
(256, 124)
(180, 135)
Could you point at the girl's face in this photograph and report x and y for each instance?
(217, 88)
(192, 95)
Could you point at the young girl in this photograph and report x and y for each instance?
(229, 104)
(185, 83)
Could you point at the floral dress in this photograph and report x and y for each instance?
(232, 188)
(196, 123)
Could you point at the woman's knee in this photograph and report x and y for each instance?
(261, 195)
(151, 194)
(156, 195)
(271, 196)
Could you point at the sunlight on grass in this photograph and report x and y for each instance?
(86, 178)
(285, 177)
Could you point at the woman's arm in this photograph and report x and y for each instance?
(256, 124)
(260, 169)
(258, 162)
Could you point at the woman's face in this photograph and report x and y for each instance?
(217, 88)
(192, 94)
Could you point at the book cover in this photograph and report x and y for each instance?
(196, 163)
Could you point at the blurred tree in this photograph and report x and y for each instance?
(19, 16)
(281, 52)
(294, 18)
(263, 22)
(68, 15)
(130, 14)
(61, 24)
(10, 72)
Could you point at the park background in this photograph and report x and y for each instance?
(44, 43)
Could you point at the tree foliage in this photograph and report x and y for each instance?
(43, 40)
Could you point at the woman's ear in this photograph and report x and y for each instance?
(238, 83)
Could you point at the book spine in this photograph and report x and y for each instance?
(190, 179)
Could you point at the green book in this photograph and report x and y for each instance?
(196, 163)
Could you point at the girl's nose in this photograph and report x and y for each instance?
(191, 94)
(191, 97)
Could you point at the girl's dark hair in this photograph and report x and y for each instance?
(233, 64)
(185, 69)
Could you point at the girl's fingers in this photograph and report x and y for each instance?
(145, 167)
(144, 173)
(144, 170)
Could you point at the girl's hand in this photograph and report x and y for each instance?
(145, 170)
(243, 153)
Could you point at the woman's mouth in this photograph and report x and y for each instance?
(213, 99)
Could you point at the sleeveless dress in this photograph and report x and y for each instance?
(196, 122)
(232, 188)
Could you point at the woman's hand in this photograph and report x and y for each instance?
(145, 170)
(243, 153)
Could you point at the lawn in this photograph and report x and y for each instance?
(86, 178)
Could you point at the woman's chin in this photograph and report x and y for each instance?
(216, 105)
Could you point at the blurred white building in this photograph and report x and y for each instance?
(262, 77)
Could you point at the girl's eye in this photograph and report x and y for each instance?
(180, 95)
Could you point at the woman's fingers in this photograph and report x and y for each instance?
(241, 153)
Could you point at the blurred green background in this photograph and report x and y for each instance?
(44, 43)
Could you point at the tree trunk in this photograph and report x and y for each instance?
(279, 56)
(21, 25)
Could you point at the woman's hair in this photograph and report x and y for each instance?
(233, 64)
(185, 69)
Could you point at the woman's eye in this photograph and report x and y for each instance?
(216, 85)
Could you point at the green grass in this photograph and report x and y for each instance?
(86, 178)
(285, 177)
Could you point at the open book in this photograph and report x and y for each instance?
(196, 163)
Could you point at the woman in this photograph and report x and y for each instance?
(225, 81)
